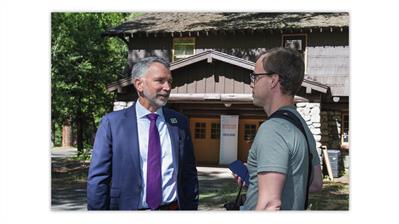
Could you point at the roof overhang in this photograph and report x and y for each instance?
(211, 55)
(196, 23)
(218, 97)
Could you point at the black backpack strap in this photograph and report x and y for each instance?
(291, 117)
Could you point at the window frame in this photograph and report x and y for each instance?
(215, 132)
(297, 36)
(175, 41)
(250, 132)
(343, 127)
(201, 130)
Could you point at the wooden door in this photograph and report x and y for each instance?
(205, 134)
(246, 133)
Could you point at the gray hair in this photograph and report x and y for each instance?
(141, 67)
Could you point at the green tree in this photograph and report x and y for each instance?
(82, 64)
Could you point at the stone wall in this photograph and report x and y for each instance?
(119, 105)
(311, 114)
(331, 129)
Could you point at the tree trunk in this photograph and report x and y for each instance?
(79, 133)
(67, 133)
(53, 137)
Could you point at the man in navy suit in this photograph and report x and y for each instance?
(122, 174)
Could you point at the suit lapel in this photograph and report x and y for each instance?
(174, 135)
(132, 137)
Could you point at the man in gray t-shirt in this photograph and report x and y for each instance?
(278, 159)
(280, 147)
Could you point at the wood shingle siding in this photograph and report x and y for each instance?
(330, 65)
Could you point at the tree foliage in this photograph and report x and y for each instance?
(83, 63)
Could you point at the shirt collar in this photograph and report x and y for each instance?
(141, 111)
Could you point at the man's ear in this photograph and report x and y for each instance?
(138, 84)
(275, 79)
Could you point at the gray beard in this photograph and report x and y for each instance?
(154, 100)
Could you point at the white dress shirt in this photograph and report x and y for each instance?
(168, 172)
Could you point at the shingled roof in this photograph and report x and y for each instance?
(170, 22)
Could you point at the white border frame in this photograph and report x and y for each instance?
(25, 114)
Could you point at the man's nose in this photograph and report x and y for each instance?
(167, 86)
(251, 85)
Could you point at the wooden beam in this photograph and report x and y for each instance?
(183, 62)
(209, 59)
(120, 90)
(233, 62)
(229, 97)
(327, 162)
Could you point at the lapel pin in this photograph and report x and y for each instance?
(173, 120)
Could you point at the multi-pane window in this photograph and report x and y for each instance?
(199, 130)
(215, 130)
(183, 47)
(249, 132)
(345, 128)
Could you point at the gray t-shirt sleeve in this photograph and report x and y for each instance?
(271, 149)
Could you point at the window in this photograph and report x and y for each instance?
(296, 41)
(200, 130)
(249, 132)
(183, 47)
(215, 130)
(345, 128)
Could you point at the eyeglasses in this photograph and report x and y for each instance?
(254, 76)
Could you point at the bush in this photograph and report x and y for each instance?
(83, 156)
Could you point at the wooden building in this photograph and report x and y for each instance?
(212, 55)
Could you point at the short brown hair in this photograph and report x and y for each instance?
(288, 64)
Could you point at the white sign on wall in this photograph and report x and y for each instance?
(228, 138)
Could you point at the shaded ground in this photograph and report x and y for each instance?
(334, 196)
(217, 187)
(68, 184)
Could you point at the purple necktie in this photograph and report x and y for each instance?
(154, 187)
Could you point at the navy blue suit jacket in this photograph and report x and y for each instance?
(115, 177)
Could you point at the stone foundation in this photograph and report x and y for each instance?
(120, 105)
(311, 114)
(331, 129)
